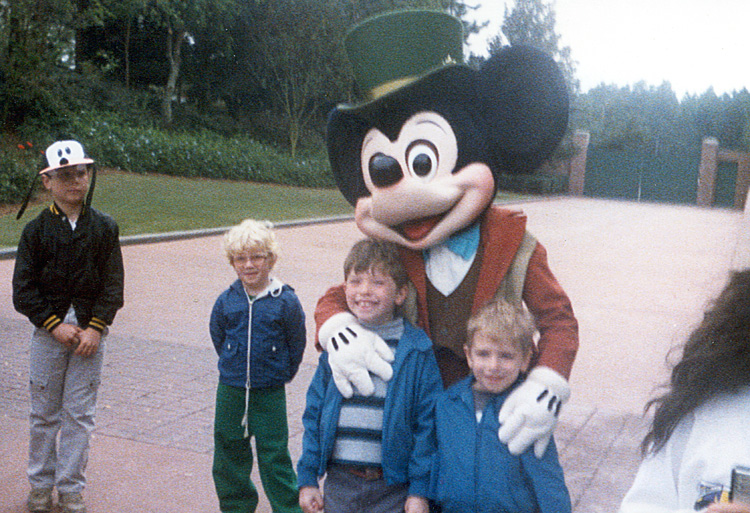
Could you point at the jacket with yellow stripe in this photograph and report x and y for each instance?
(58, 267)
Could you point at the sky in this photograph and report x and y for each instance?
(692, 44)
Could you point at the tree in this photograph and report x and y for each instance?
(298, 58)
(533, 22)
(460, 10)
(128, 11)
(726, 117)
(215, 70)
(178, 19)
(36, 35)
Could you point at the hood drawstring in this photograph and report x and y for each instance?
(244, 422)
(244, 417)
(274, 289)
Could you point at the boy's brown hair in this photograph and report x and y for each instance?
(369, 254)
(500, 318)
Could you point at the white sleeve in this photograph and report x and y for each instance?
(655, 488)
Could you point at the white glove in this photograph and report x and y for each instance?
(354, 352)
(529, 414)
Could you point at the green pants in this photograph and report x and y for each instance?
(233, 457)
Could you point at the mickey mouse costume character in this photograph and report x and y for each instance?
(419, 161)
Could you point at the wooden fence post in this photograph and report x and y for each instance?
(743, 179)
(741, 258)
(707, 172)
(577, 176)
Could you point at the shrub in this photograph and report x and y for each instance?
(113, 142)
(18, 167)
(121, 128)
(206, 154)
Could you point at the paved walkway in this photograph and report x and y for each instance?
(639, 276)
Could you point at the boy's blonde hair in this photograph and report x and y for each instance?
(369, 254)
(499, 318)
(249, 235)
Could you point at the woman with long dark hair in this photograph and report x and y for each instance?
(700, 431)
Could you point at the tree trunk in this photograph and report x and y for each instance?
(174, 47)
(128, 29)
(293, 139)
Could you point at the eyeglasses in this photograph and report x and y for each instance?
(70, 174)
(253, 259)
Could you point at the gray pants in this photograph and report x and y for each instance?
(346, 493)
(63, 399)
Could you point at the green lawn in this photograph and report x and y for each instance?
(158, 204)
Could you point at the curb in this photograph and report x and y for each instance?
(152, 238)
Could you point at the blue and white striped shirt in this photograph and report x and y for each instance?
(360, 427)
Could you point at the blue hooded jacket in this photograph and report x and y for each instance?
(474, 472)
(277, 335)
(408, 435)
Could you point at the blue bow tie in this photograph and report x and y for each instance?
(465, 242)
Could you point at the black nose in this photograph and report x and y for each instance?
(385, 170)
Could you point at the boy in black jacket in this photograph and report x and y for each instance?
(68, 280)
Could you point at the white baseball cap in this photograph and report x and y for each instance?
(64, 154)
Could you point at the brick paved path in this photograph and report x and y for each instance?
(638, 275)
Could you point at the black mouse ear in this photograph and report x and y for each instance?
(27, 198)
(524, 99)
(92, 185)
(344, 137)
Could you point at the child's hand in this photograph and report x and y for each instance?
(734, 507)
(416, 504)
(89, 342)
(310, 499)
(67, 335)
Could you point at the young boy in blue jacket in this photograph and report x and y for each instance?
(375, 450)
(258, 330)
(474, 472)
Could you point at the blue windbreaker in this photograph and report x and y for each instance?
(475, 473)
(277, 342)
(408, 423)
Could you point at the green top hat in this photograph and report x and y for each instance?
(391, 50)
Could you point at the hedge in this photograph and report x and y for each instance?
(194, 154)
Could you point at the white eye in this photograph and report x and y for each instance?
(422, 159)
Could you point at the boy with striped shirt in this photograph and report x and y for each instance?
(375, 450)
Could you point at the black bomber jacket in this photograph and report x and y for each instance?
(57, 267)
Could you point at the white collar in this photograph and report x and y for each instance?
(445, 269)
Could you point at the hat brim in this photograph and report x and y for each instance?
(70, 164)
(445, 74)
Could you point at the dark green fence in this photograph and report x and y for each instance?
(726, 182)
(662, 174)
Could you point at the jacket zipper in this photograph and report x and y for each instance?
(250, 302)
